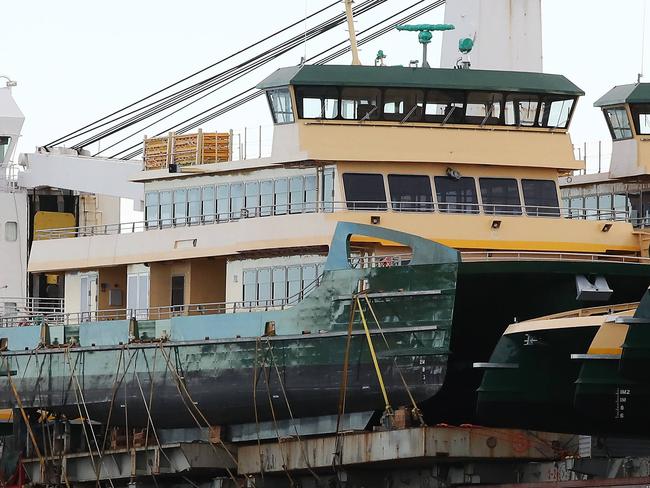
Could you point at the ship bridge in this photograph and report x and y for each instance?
(381, 113)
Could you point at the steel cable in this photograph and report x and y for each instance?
(230, 56)
(234, 105)
(170, 100)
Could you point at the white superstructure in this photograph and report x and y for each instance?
(13, 205)
(508, 34)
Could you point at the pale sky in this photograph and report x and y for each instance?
(77, 60)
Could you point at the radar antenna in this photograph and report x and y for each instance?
(425, 35)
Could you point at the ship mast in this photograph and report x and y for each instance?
(353, 35)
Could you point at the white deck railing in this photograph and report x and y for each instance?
(328, 207)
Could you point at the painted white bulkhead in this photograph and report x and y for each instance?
(13, 207)
(81, 292)
(508, 34)
(13, 245)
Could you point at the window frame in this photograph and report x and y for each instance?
(533, 209)
(370, 205)
(291, 111)
(611, 128)
(504, 209)
(415, 205)
(457, 207)
(14, 233)
(636, 110)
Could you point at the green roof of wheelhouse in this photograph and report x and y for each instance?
(433, 78)
(636, 93)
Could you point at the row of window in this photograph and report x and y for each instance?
(619, 122)
(633, 206)
(413, 193)
(417, 105)
(278, 285)
(231, 201)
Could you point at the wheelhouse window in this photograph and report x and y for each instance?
(483, 108)
(444, 106)
(618, 123)
(556, 112)
(281, 106)
(410, 193)
(641, 117)
(403, 105)
(456, 195)
(540, 197)
(317, 102)
(500, 196)
(521, 109)
(360, 103)
(364, 191)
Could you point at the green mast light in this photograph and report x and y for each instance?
(425, 35)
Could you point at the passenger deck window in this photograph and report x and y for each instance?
(223, 202)
(360, 103)
(317, 102)
(166, 208)
(252, 198)
(152, 206)
(410, 193)
(618, 122)
(364, 191)
(266, 198)
(521, 110)
(403, 105)
(540, 197)
(209, 207)
(180, 206)
(236, 200)
(443, 106)
(483, 108)
(456, 195)
(194, 205)
(500, 196)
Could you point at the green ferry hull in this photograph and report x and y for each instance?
(529, 381)
(492, 294)
(615, 405)
(229, 368)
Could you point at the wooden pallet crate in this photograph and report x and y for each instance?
(187, 149)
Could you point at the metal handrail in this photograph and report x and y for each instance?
(160, 313)
(473, 256)
(536, 211)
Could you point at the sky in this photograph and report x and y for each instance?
(78, 60)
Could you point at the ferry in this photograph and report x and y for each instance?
(466, 158)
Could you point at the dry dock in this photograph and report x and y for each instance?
(430, 457)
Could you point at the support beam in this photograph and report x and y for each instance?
(69, 171)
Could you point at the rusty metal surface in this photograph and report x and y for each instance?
(127, 463)
(443, 443)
